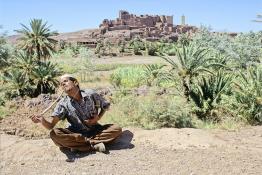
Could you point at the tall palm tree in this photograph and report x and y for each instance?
(36, 39)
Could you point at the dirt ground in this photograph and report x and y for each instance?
(130, 60)
(162, 151)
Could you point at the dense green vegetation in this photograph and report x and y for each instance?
(204, 80)
(25, 70)
(219, 75)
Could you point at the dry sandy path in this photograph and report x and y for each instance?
(161, 151)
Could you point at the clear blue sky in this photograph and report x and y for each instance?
(73, 15)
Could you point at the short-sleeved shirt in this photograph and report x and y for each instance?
(76, 112)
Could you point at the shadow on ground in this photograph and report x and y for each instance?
(123, 142)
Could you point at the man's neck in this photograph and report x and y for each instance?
(76, 95)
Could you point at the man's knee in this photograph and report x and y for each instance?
(54, 136)
(117, 129)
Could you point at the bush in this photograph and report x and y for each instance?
(16, 84)
(151, 48)
(184, 120)
(153, 74)
(137, 46)
(167, 48)
(128, 77)
(85, 53)
(68, 53)
(165, 112)
(150, 111)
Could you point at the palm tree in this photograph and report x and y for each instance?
(207, 91)
(25, 63)
(191, 61)
(43, 77)
(30, 77)
(17, 84)
(36, 39)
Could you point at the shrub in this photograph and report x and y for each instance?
(153, 73)
(128, 77)
(137, 46)
(151, 111)
(184, 120)
(165, 112)
(168, 48)
(247, 48)
(246, 101)
(206, 93)
(171, 52)
(151, 48)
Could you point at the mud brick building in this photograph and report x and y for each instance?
(128, 26)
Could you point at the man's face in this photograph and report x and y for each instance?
(67, 85)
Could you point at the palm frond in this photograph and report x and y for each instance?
(36, 39)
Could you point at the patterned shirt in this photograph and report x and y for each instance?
(76, 112)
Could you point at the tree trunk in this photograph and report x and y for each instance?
(38, 52)
(186, 89)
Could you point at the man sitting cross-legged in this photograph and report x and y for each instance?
(82, 109)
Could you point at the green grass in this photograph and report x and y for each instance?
(128, 77)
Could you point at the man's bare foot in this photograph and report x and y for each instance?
(100, 147)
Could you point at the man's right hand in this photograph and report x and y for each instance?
(92, 121)
(37, 118)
